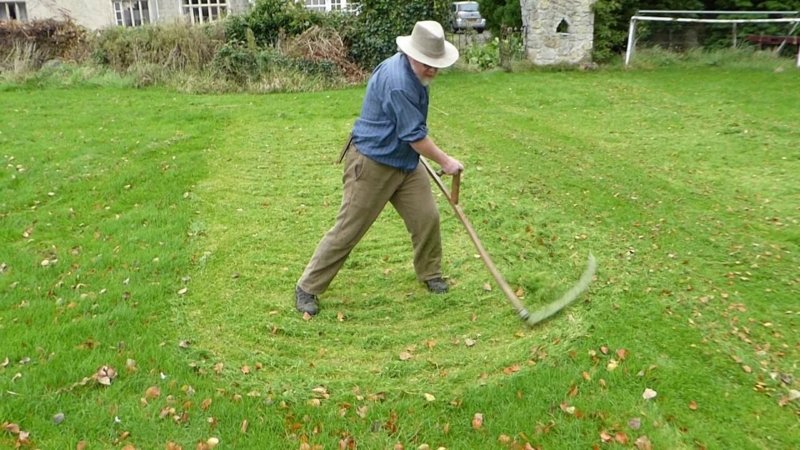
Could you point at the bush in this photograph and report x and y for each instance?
(372, 37)
(177, 47)
(42, 40)
(495, 53)
(270, 20)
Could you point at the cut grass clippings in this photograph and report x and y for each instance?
(160, 235)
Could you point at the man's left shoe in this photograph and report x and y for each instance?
(437, 285)
(305, 302)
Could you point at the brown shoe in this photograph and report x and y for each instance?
(305, 302)
(437, 285)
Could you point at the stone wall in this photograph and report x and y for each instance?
(558, 31)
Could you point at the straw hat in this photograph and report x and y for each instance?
(428, 46)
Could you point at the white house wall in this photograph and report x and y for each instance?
(96, 14)
(88, 13)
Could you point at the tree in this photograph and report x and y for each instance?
(501, 14)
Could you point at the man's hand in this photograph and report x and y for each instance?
(452, 166)
(427, 148)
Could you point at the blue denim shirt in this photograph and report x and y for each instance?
(394, 114)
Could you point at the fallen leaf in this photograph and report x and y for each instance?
(649, 394)
(469, 342)
(643, 443)
(152, 392)
(340, 316)
(747, 369)
(173, 446)
(429, 397)
(573, 390)
(58, 418)
(511, 369)
(606, 437)
(307, 316)
(621, 437)
(321, 392)
(477, 421)
(183, 290)
(520, 293)
(405, 356)
(635, 423)
(487, 287)
(212, 442)
(130, 365)
(622, 354)
(104, 375)
(243, 427)
(693, 405)
(586, 376)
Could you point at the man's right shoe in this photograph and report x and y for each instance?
(437, 285)
(305, 302)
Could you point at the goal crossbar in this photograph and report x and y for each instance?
(655, 16)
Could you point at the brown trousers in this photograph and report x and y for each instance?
(368, 186)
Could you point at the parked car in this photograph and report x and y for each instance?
(466, 16)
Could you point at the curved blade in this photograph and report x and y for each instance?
(568, 297)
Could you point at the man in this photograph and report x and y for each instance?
(381, 164)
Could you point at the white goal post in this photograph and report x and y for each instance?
(681, 16)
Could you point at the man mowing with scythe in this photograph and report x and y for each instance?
(381, 165)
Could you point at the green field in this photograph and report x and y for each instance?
(160, 235)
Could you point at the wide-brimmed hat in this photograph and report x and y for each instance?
(428, 46)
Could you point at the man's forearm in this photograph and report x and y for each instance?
(427, 148)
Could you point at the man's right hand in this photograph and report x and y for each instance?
(452, 166)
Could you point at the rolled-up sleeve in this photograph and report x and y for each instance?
(409, 121)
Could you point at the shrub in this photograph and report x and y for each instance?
(494, 53)
(43, 40)
(236, 63)
(177, 47)
(372, 37)
(270, 20)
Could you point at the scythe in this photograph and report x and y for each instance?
(530, 318)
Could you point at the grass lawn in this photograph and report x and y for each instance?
(150, 242)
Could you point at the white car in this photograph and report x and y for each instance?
(466, 16)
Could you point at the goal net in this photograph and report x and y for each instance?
(685, 30)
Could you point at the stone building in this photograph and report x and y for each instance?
(558, 31)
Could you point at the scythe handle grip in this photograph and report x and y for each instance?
(455, 187)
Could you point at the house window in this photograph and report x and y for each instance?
(13, 11)
(315, 5)
(131, 13)
(331, 5)
(203, 11)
